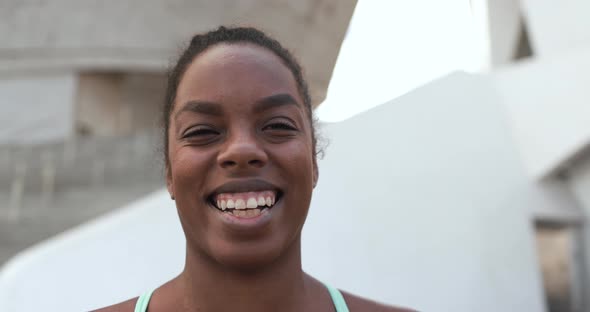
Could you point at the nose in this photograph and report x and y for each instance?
(242, 151)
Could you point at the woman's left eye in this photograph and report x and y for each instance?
(279, 126)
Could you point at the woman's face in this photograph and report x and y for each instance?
(242, 167)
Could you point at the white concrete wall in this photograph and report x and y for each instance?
(556, 27)
(422, 202)
(448, 203)
(547, 101)
(119, 103)
(131, 35)
(504, 20)
(579, 182)
(36, 107)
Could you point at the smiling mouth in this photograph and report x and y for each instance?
(245, 204)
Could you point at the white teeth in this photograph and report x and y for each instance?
(240, 204)
(252, 203)
(250, 213)
(243, 201)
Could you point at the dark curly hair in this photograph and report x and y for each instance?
(201, 42)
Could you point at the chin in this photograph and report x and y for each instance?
(250, 256)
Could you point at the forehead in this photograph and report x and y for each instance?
(243, 71)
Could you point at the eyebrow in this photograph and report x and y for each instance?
(274, 101)
(200, 107)
(215, 109)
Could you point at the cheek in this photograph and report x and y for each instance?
(189, 167)
(190, 171)
(297, 161)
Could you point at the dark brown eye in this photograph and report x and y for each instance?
(200, 132)
(279, 125)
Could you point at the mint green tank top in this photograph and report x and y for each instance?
(337, 299)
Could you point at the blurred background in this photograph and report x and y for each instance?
(486, 99)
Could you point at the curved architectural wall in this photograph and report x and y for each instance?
(422, 202)
(143, 35)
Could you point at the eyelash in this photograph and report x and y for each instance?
(280, 126)
(200, 131)
(205, 131)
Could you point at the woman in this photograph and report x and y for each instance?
(241, 166)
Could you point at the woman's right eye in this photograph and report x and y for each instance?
(200, 132)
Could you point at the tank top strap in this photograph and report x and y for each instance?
(337, 299)
(143, 301)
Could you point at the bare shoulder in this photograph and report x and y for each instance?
(356, 303)
(125, 306)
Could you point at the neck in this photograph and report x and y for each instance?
(209, 286)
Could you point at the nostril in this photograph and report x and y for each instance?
(242, 156)
(255, 163)
(228, 163)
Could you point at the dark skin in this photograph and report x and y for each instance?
(238, 117)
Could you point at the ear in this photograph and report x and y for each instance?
(169, 184)
(316, 173)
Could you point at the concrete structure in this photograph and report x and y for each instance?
(36, 107)
(108, 50)
(81, 90)
(456, 206)
(556, 28)
(547, 98)
(478, 182)
(403, 226)
(551, 126)
(48, 188)
(505, 22)
(397, 234)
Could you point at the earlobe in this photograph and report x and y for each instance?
(316, 174)
(169, 184)
(170, 191)
(169, 187)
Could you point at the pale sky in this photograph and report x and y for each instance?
(394, 46)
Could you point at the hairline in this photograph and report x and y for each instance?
(245, 42)
(252, 36)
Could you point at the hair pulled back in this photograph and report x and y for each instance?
(201, 42)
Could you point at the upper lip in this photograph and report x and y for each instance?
(247, 185)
